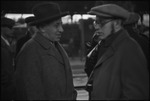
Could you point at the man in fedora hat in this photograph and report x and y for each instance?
(31, 30)
(43, 70)
(7, 69)
(120, 72)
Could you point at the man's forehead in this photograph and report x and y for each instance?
(57, 21)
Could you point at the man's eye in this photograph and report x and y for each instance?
(56, 25)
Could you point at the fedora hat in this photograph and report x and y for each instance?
(7, 22)
(29, 19)
(46, 11)
(109, 11)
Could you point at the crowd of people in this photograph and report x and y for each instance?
(37, 67)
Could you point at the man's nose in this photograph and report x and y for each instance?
(61, 29)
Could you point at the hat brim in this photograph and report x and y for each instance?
(98, 14)
(39, 21)
(104, 15)
(29, 19)
(7, 22)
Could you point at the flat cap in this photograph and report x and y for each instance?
(110, 11)
(7, 22)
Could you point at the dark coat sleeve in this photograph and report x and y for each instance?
(7, 87)
(134, 73)
(27, 76)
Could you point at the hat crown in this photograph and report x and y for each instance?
(110, 10)
(45, 10)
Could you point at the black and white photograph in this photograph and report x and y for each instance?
(74, 50)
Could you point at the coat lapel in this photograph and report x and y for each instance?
(55, 53)
(63, 54)
(106, 56)
(69, 80)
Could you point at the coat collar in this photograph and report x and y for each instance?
(122, 34)
(42, 40)
(49, 46)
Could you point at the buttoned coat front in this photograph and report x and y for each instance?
(43, 72)
(121, 72)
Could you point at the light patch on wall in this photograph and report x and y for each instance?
(13, 16)
(65, 20)
(146, 20)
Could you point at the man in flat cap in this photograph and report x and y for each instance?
(120, 72)
(31, 30)
(43, 71)
(7, 69)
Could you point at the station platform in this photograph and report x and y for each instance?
(79, 78)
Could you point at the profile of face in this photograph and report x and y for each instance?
(53, 31)
(7, 32)
(104, 27)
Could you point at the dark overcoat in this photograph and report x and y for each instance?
(43, 72)
(7, 71)
(21, 41)
(121, 72)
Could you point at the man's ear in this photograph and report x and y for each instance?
(117, 25)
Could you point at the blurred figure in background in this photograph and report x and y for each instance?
(31, 30)
(92, 53)
(91, 56)
(3, 13)
(43, 71)
(120, 72)
(7, 69)
(131, 26)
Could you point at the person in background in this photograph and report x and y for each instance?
(7, 69)
(120, 72)
(131, 26)
(91, 56)
(92, 53)
(43, 71)
(3, 13)
(31, 30)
